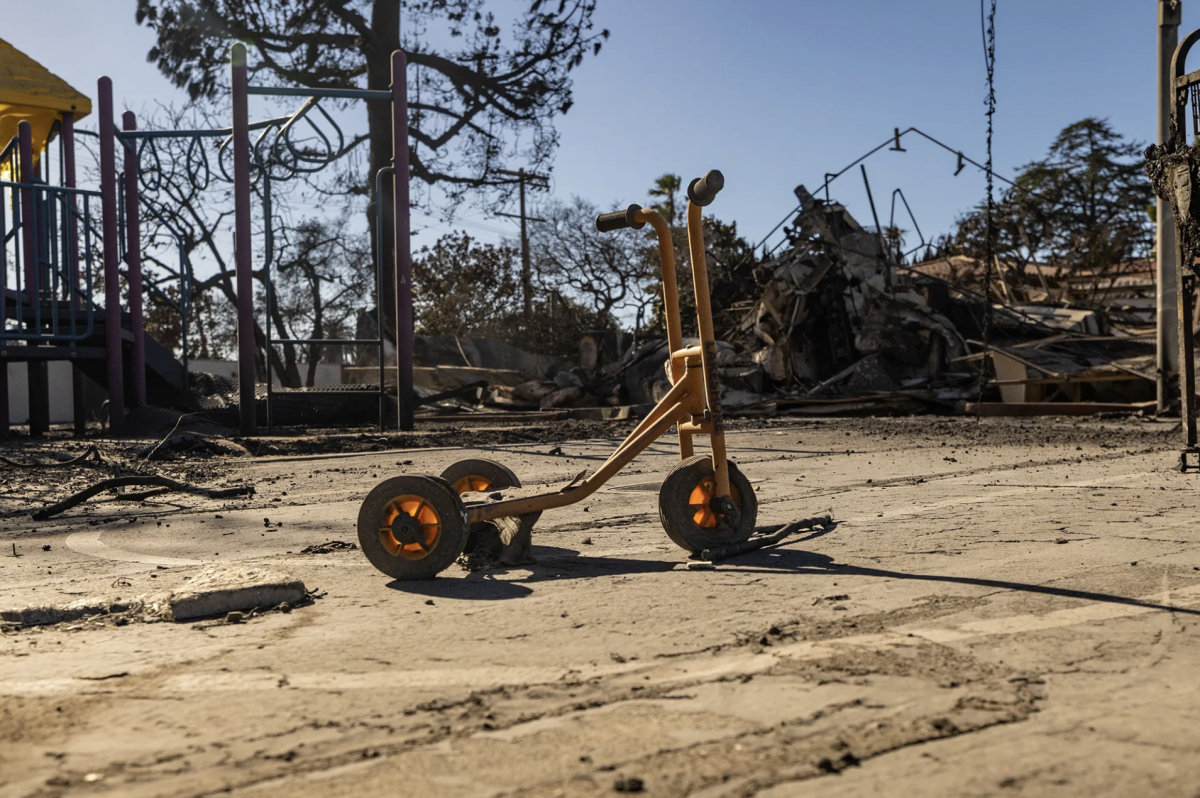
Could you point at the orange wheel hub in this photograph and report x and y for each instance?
(417, 518)
(472, 484)
(699, 500)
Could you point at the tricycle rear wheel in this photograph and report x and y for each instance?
(412, 527)
(480, 475)
(484, 538)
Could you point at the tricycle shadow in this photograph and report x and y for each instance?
(778, 559)
(555, 563)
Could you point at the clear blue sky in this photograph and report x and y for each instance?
(772, 92)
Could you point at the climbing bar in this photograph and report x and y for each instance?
(343, 94)
(219, 132)
(328, 341)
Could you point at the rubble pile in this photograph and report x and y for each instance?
(835, 324)
(834, 317)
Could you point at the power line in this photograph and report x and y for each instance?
(894, 140)
(524, 177)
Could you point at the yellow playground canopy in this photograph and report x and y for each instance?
(30, 91)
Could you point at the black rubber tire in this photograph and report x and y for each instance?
(451, 518)
(483, 534)
(498, 476)
(677, 515)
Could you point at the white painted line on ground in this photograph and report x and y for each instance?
(89, 543)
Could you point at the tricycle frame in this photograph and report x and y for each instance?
(692, 405)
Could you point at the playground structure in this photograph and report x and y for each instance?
(61, 242)
(52, 236)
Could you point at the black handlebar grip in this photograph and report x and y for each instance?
(703, 190)
(619, 220)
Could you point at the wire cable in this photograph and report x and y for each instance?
(987, 18)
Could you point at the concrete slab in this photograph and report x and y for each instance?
(211, 592)
(223, 589)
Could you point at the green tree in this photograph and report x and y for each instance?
(670, 205)
(1081, 208)
(464, 288)
(467, 289)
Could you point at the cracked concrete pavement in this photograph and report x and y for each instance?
(1002, 608)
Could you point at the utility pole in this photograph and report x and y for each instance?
(526, 271)
(1170, 13)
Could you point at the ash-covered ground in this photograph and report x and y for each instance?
(1003, 607)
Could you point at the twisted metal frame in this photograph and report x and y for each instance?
(1174, 169)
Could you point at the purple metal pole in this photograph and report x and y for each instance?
(133, 260)
(400, 209)
(28, 217)
(68, 155)
(247, 410)
(29, 220)
(39, 392)
(72, 254)
(112, 259)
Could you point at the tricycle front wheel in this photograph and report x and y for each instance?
(686, 512)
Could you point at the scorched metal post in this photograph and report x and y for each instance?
(404, 311)
(112, 277)
(247, 411)
(133, 261)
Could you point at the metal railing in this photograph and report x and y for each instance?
(278, 155)
(47, 263)
(287, 147)
(9, 155)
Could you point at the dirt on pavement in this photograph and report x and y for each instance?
(1002, 607)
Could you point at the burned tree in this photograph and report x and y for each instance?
(187, 209)
(471, 102)
(605, 272)
(315, 292)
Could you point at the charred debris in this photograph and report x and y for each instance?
(835, 323)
